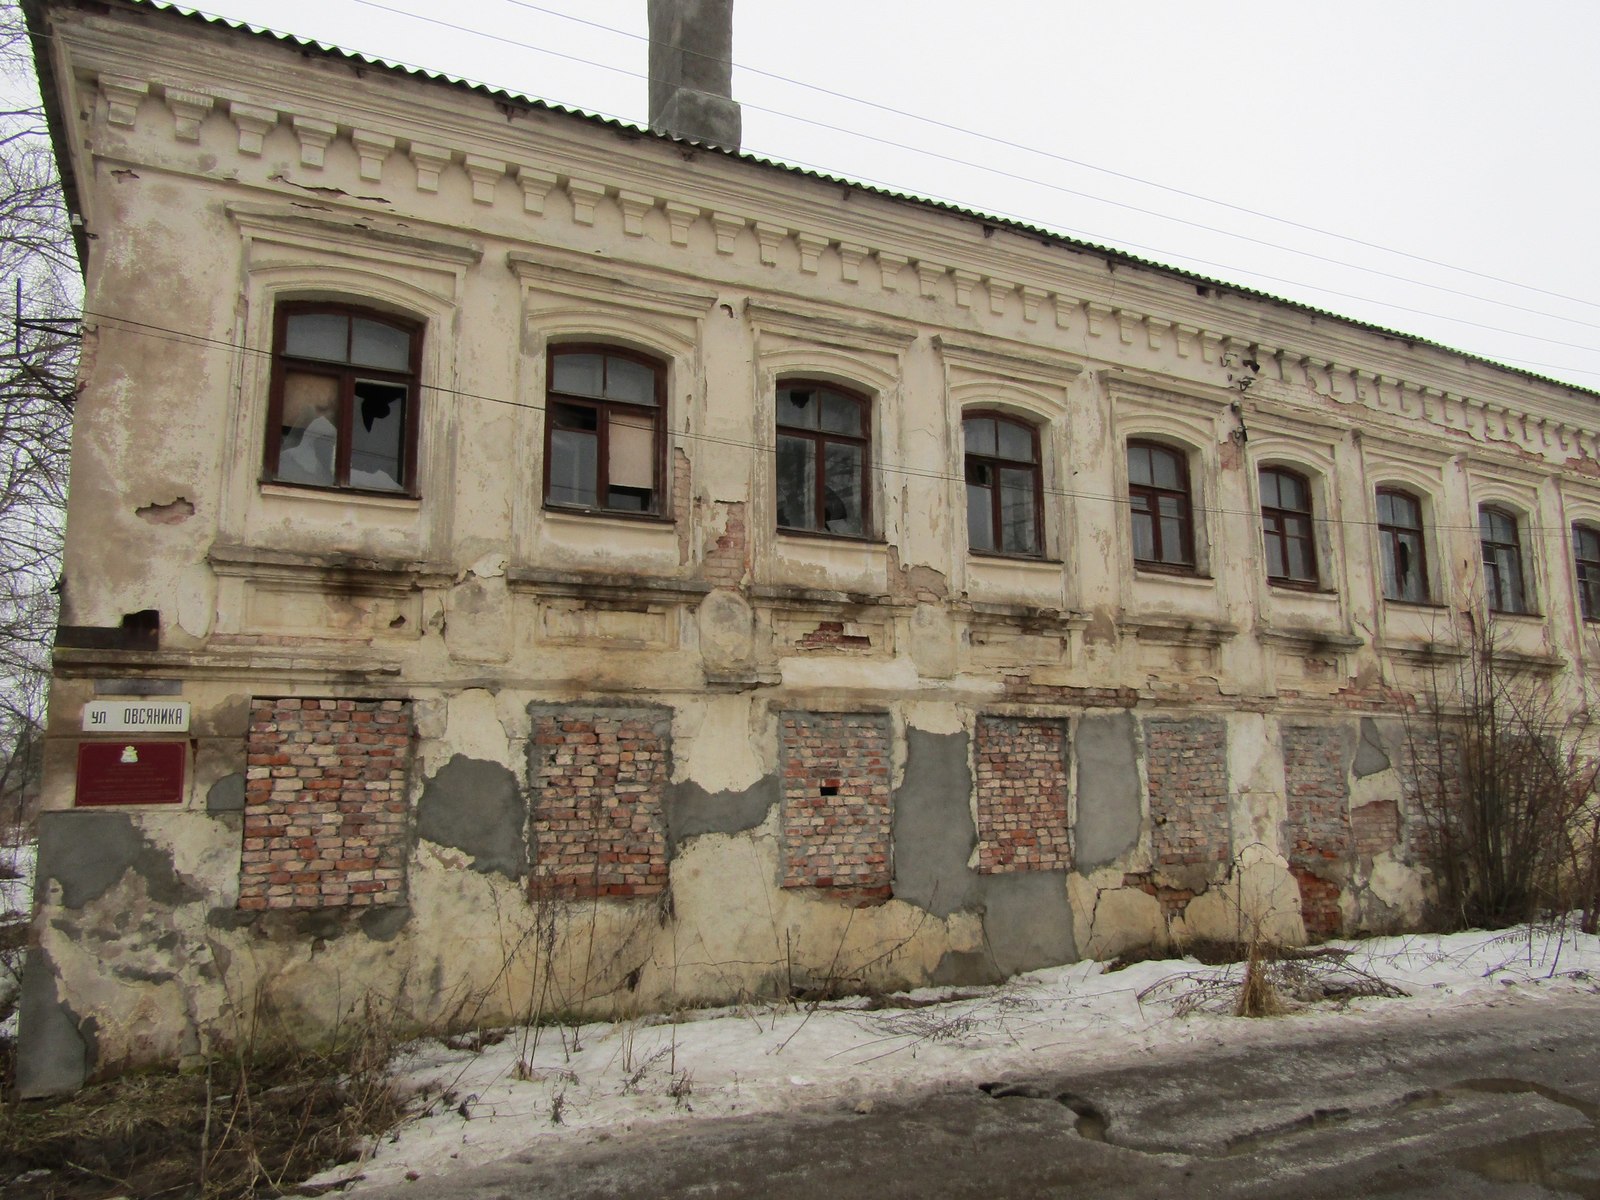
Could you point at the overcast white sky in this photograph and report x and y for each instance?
(1458, 131)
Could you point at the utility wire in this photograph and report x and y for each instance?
(1032, 181)
(995, 139)
(1178, 255)
(202, 341)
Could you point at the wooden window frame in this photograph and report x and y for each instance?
(1390, 534)
(821, 439)
(1586, 560)
(603, 409)
(1034, 468)
(1494, 583)
(1150, 494)
(1276, 523)
(347, 374)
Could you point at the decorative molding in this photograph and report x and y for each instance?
(536, 185)
(189, 109)
(1094, 313)
(727, 228)
(123, 97)
(372, 149)
(850, 256)
(1185, 339)
(999, 291)
(928, 278)
(430, 162)
(253, 123)
(680, 218)
(889, 267)
(811, 247)
(1126, 321)
(1153, 329)
(485, 174)
(965, 282)
(635, 207)
(585, 195)
(1032, 298)
(770, 237)
(314, 135)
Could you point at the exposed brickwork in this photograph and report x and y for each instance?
(836, 802)
(724, 564)
(1186, 763)
(1375, 828)
(325, 803)
(830, 635)
(599, 776)
(1317, 832)
(1022, 689)
(1020, 776)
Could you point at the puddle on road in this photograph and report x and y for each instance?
(1091, 1122)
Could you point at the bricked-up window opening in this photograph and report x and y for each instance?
(1020, 776)
(604, 427)
(599, 778)
(1161, 508)
(1400, 542)
(1286, 528)
(1317, 832)
(343, 409)
(1586, 555)
(1186, 763)
(1004, 485)
(1502, 561)
(824, 446)
(325, 803)
(837, 839)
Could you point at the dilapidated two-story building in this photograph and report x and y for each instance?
(520, 562)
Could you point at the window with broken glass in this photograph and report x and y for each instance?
(1586, 554)
(1286, 528)
(1400, 539)
(343, 410)
(824, 436)
(1004, 485)
(1502, 561)
(603, 430)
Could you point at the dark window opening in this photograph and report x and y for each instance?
(1586, 552)
(342, 413)
(1287, 529)
(1400, 539)
(604, 448)
(1502, 561)
(1160, 505)
(1005, 492)
(824, 439)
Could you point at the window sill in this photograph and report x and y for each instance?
(1417, 605)
(393, 501)
(817, 535)
(1174, 574)
(1300, 589)
(1530, 618)
(1021, 560)
(563, 514)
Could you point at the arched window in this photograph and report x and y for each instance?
(824, 439)
(1004, 485)
(343, 409)
(1586, 553)
(1400, 540)
(1286, 527)
(1502, 561)
(604, 430)
(1161, 508)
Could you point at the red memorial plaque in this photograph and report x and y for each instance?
(130, 773)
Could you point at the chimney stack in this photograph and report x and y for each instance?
(691, 71)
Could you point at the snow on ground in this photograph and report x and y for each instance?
(536, 1085)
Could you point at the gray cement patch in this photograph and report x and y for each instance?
(53, 1050)
(965, 968)
(226, 794)
(88, 852)
(1371, 757)
(692, 811)
(1108, 790)
(1028, 920)
(933, 832)
(382, 924)
(476, 807)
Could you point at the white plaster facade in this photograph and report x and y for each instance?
(221, 174)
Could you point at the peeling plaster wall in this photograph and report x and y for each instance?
(477, 605)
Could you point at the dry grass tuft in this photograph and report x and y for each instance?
(247, 1125)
